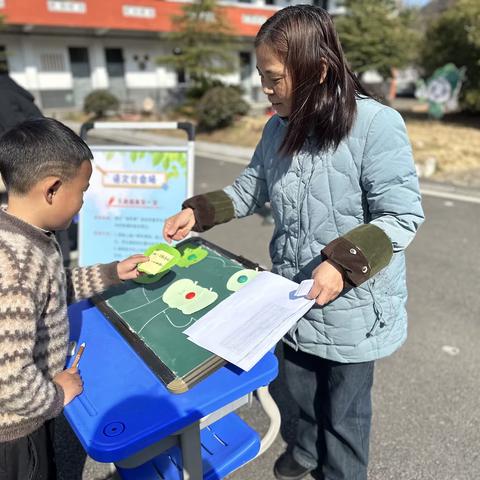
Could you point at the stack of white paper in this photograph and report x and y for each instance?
(242, 328)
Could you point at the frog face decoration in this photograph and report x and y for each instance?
(240, 279)
(191, 255)
(188, 297)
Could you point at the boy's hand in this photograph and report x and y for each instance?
(179, 226)
(71, 383)
(127, 269)
(327, 283)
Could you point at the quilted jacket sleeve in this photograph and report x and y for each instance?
(247, 194)
(244, 197)
(390, 183)
(390, 180)
(249, 191)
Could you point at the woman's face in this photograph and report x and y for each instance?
(276, 81)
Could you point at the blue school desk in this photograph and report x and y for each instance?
(125, 414)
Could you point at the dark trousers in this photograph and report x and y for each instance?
(335, 414)
(30, 457)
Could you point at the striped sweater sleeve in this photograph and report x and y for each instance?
(84, 282)
(24, 389)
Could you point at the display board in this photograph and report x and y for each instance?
(133, 190)
(153, 316)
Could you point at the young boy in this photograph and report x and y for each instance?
(46, 168)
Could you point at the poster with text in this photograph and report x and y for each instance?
(132, 192)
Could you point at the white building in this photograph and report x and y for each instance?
(60, 50)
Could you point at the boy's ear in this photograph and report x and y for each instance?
(51, 187)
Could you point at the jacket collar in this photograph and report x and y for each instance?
(36, 234)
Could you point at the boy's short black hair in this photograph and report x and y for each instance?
(39, 148)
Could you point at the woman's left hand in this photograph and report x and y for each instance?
(127, 269)
(327, 283)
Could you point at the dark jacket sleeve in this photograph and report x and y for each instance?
(361, 253)
(210, 209)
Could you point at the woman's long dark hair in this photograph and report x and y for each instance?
(305, 40)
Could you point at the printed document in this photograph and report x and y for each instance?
(247, 324)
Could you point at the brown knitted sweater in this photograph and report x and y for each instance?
(35, 290)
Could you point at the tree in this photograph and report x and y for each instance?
(219, 107)
(201, 43)
(454, 37)
(99, 102)
(375, 35)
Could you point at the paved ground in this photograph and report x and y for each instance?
(426, 422)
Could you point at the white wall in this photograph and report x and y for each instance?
(15, 58)
(25, 62)
(24, 59)
(154, 75)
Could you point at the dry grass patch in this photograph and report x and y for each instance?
(456, 148)
(245, 132)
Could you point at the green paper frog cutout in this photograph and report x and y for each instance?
(191, 255)
(240, 279)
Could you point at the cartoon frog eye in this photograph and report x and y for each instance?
(240, 279)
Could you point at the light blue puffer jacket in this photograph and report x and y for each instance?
(315, 198)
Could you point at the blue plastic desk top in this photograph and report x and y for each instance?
(124, 407)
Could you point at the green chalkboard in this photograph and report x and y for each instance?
(155, 328)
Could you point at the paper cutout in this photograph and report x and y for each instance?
(162, 257)
(188, 297)
(158, 260)
(150, 268)
(240, 279)
(191, 255)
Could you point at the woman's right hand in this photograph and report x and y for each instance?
(179, 225)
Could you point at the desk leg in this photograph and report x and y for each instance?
(191, 453)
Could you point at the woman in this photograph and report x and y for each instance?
(337, 169)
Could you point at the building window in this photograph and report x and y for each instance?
(142, 61)
(115, 62)
(181, 76)
(79, 62)
(52, 62)
(253, 19)
(321, 3)
(245, 65)
(66, 6)
(138, 11)
(3, 59)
